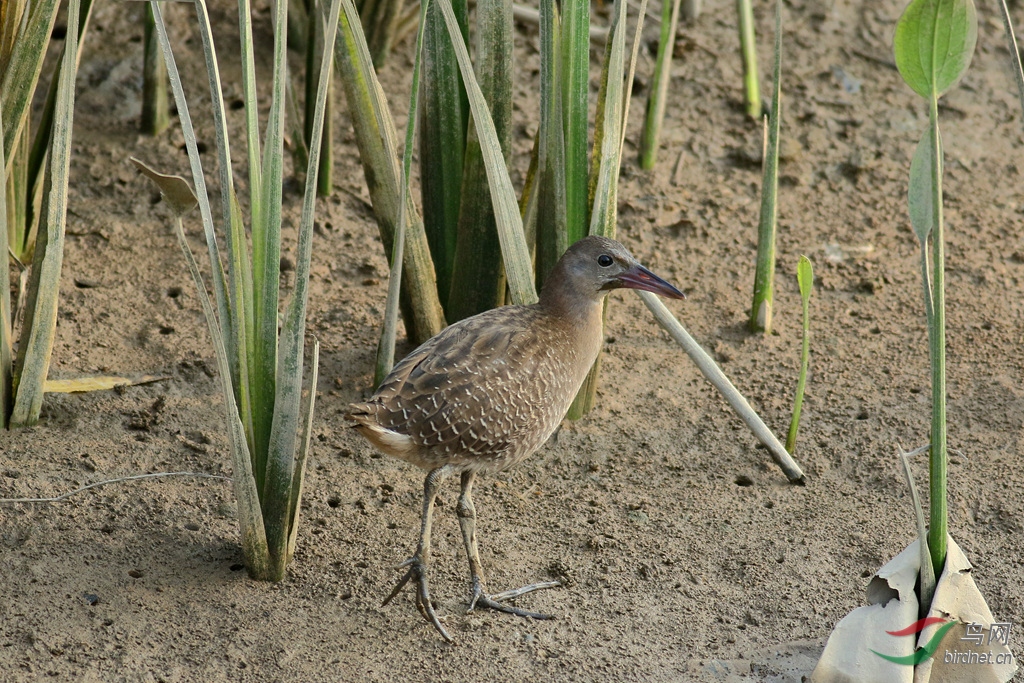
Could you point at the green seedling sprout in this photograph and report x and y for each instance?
(764, 277)
(155, 113)
(748, 50)
(659, 86)
(314, 54)
(805, 280)
(934, 43)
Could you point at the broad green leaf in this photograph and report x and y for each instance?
(443, 122)
(574, 74)
(805, 277)
(552, 232)
(934, 43)
(40, 323)
(920, 191)
(514, 251)
(376, 139)
(478, 283)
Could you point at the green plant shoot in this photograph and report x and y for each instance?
(933, 44)
(805, 280)
(748, 50)
(764, 276)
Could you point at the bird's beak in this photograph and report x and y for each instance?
(639, 277)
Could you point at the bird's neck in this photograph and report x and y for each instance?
(564, 297)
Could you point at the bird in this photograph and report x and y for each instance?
(488, 391)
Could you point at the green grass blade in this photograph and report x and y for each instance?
(748, 48)
(478, 282)
(196, 167)
(155, 114)
(21, 236)
(805, 280)
(40, 324)
(278, 488)
(299, 478)
(764, 275)
(314, 50)
(41, 141)
(250, 519)
(443, 121)
(604, 211)
(266, 241)
(607, 157)
(658, 96)
(252, 118)
(552, 218)
(6, 332)
(19, 79)
(235, 243)
(515, 253)
(386, 344)
(375, 138)
(574, 44)
(1011, 40)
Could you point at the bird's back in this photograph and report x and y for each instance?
(484, 393)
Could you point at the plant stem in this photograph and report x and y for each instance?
(801, 383)
(748, 46)
(938, 514)
(155, 114)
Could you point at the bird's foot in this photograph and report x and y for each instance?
(418, 572)
(497, 600)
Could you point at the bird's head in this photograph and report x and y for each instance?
(593, 266)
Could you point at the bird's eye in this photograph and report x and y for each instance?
(604, 260)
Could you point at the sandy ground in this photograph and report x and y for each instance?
(686, 555)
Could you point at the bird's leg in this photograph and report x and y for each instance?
(467, 522)
(417, 564)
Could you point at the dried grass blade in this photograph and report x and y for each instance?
(40, 324)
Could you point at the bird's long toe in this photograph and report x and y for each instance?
(496, 601)
(418, 571)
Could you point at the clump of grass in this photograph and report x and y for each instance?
(934, 43)
(260, 368)
(31, 220)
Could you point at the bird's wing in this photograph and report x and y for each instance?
(460, 392)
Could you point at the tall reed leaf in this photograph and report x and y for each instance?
(386, 345)
(552, 237)
(478, 283)
(444, 117)
(6, 330)
(376, 139)
(575, 79)
(515, 253)
(40, 324)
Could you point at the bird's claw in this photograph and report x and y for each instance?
(418, 570)
(496, 601)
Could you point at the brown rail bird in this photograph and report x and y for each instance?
(488, 391)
